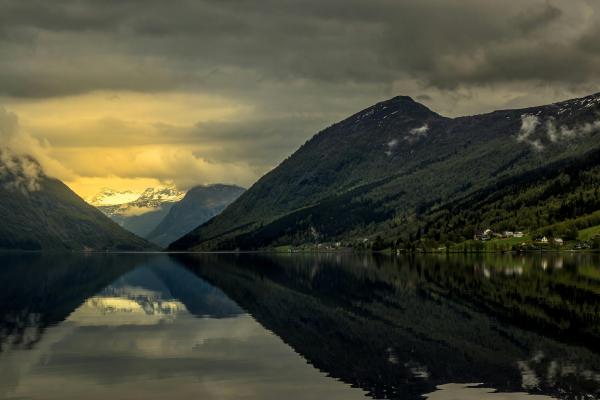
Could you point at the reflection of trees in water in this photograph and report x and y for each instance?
(38, 290)
(19, 329)
(398, 327)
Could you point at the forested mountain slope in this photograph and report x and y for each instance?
(387, 169)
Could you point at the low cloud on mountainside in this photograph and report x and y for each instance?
(17, 170)
(534, 133)
(24, 159)
(416, 133)
(560, 133)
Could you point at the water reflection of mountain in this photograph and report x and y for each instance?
(38, 290)
(398, 328)
(161, 286)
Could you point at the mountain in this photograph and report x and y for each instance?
(395, 170)
(111, 197)
(200, 204)
(42, 213)
(138, 212)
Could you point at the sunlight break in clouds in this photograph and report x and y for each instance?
(127, 141)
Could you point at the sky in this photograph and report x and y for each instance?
(129, 94)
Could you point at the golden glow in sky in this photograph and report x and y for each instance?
(126, 140)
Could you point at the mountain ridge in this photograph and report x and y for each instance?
(199, 204)
(420, 157)
(142, 214)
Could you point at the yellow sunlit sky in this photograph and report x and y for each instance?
(127, 140)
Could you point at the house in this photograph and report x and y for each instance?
(558, 241)
(483, 235)
(543, 240)
(582, 245)
(508, 234)
(518, 234)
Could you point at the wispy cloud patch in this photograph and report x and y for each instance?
(528, 133)
(24, 158)
(529, 124)
(17, 170)
(561, 133)
(417, 133)
(390, 147)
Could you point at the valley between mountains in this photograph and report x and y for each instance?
(395, 176)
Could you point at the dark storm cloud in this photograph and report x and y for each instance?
(186, 45)
(298, 66)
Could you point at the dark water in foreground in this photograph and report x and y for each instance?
(299, 327)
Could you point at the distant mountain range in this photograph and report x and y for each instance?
(398, 174)
(164, 214)
(138, 212)
(394, 175)
(200, 204)
(41, 213)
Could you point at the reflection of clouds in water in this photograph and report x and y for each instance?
(453, 391)
(135, 339)
(227, 358)
(105, 310)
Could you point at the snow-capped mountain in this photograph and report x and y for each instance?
(155, 197)
(111, 197)
(138, 212)
(149, 197)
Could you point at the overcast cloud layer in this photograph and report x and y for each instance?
(205, 91)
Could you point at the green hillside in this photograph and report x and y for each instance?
(398, 165)
(559, 200)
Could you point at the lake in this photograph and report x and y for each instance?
(299, 326)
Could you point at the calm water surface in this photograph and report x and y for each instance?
(324, 326)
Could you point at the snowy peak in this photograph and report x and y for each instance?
(111, 197)
(154, 197)
(151, 197)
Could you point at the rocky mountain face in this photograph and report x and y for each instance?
(200, 204)
(138, 212)
(41, 213)
(386, 168)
